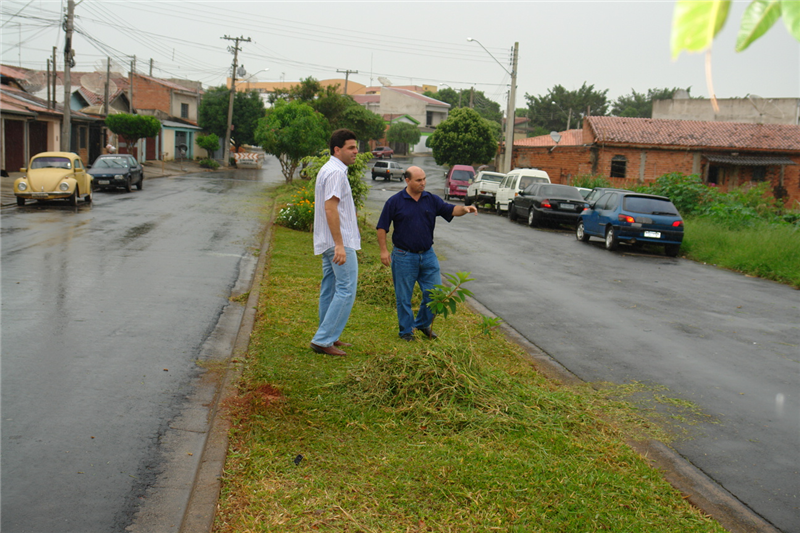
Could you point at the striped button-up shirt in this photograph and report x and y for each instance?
(332, 181)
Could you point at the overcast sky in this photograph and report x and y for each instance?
(619, 46)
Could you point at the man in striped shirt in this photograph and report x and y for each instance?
(336, 238)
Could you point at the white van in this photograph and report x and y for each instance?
(515, 181)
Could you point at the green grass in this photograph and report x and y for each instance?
(770, 251)
(457, 434)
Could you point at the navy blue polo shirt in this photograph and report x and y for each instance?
(413, 220)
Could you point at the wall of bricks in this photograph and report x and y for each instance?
(564, 163)
(149, 95)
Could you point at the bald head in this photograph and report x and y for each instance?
(415, 181)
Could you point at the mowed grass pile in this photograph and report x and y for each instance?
(457, 434)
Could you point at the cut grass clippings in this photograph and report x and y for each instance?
(457, 434)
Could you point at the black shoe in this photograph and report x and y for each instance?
(428, 332)
(408, 337)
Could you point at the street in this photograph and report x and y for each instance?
(108, 312)
(723, 341)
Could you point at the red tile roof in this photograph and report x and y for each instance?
(366, 98)
(568, 138)
(695, 134)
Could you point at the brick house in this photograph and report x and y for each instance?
(176, 106)
(638, 150)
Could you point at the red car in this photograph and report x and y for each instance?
(382, 151)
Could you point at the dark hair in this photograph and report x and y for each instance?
(339, 137)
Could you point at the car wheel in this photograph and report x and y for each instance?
(88, 197)
(128, 187)
(140, 185)
(73, 199)
(512, 212)
(20, 201)
(580, 232)
(497, 209)
(533, 220)
(373, 177)
(672, 250)
(467, 201)
(446, 196)
(611, 239)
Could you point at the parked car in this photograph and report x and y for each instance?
(633, 218)
(483, 188)
(54, 175)
(515, 181)
(544, 203)
(597, 192)
(111, 171)
(382, 151)
(457, 181)
(387, 170)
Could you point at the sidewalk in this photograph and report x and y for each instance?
(152, 170)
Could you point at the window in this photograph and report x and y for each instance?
(759, 173)
(429, 119)
(184, 110)
(618, 164)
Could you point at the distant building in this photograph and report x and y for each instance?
(753, 110)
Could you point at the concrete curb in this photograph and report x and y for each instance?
(699, 489)
(202, 506)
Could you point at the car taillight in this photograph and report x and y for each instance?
(677, 224)
(546, 203)
(626, 218)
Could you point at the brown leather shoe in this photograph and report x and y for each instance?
(341, 343)
(330, 350)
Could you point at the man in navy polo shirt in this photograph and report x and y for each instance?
(413, 212)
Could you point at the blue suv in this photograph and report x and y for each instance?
(633, 218)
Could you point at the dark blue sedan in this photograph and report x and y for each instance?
(633, 218)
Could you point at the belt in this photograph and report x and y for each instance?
(411, 251)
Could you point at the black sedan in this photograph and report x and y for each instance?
(547, 203)
(111, 171)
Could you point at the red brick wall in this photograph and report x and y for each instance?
(564, 163)
(149, 95)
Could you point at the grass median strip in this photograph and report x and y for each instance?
(456, 434)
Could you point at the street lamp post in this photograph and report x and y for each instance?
(512, 96)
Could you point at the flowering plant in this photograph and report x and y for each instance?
(299, 213)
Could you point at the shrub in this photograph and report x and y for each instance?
(208, 163)
(312, 165)
(590, 182)
(299, 213)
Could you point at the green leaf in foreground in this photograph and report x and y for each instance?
(696, 23)
(759, 17)
(790, 9)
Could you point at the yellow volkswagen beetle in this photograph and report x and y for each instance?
(54, 175)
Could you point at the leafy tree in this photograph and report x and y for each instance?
(248, 108)
(640, 104)
(403, 132)
(209, 143)
(355, 173)
(496, 128)
(464, 138)
(363, 122)
(309, 90)
(486, 107)
(291, 131)
(133, 127)
(560, 107)
(696, 24)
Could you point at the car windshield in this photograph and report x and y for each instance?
(461, 175)
(561, 191)
(51, 162)
(649, 206)
(497, 178)
(524, 181)
(111, 162)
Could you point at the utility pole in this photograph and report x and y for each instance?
(69, 61)
(108, 80)
(235, 49)
(151, 67)
(130, 85)
(346, 77)
(55, 77)
(48, 83)
(511, 112)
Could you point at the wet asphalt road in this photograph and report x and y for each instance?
(728, 343)
(105, 310)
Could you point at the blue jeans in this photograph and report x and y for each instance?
(409, 269)
(337, 293)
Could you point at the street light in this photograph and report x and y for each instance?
(251, 76)
(569, 117)
(512, 96)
